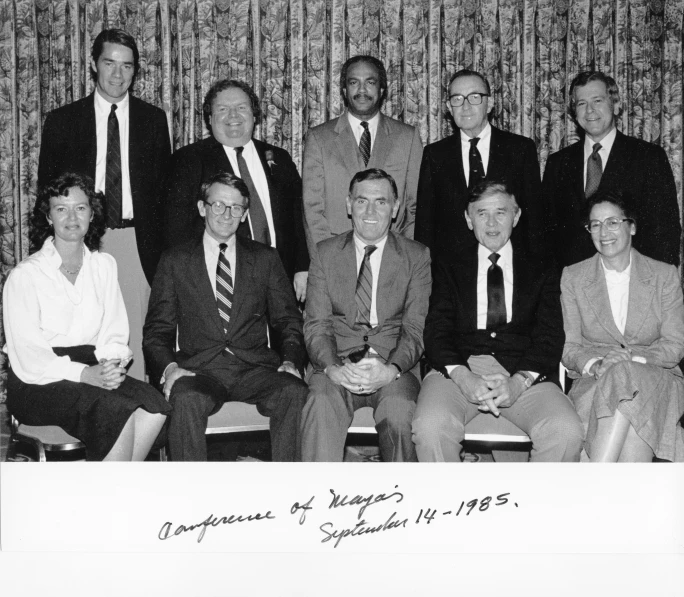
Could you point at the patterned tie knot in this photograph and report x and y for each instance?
(494, 257)
(597, 148)
(364, 124)
(223, 247)
(473, 142)
(369, 250)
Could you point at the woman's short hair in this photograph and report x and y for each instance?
(620, 199)
(41, 229)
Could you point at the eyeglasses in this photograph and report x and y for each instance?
(474, 99)
(219, 208)
(611, 224)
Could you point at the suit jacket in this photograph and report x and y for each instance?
(402, 297)
(655, 314)
(183, 299)
(69, 144)
(635, 166)
(443, 192)
(531, 341)
(194, 164)
(332, 158)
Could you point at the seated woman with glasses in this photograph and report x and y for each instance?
(624, 325)
(67, 332)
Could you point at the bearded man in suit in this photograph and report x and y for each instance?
(231, 111)
(607, 160)
(365, 311)
(122, 143)
(215, 296)
(363, 137)
(478, 151)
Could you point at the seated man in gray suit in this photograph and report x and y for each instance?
(363, 137)
(494, 335)
(367, 299)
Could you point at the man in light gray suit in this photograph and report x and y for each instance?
(361, 138)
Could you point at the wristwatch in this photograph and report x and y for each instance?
(526, 377)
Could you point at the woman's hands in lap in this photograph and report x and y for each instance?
(107, 374)
(614, 356)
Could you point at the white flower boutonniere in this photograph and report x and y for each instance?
(270, 160)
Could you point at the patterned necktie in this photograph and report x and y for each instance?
(364, 288)
(477, 172)
(594, 171)
(496, 299)
(365, 143)
(224, 287)
(113, 171)
(257, 214)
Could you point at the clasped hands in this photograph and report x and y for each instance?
(365, 377)
(107, 374)
(490, 391)
(614, 356)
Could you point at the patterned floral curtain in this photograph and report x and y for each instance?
(291, 51)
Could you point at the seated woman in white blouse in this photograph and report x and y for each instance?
(67, 332)
(624, 324)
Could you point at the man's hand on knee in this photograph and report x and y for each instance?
(174, 373)
(475, 389)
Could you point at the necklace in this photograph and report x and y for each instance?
(68, 271)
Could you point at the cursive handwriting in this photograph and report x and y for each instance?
(361, 528)
(366, 501)
(165, 531)
(296, 507)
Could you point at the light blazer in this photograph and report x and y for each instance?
(404, 286)
(183, 299)
(69, 144)
(531, 341)
(443, 192)
(332, 158)
(655, 314)
(635, 166)
(194, 164)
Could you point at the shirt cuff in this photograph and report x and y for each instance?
(163, 377)
(589, 365)
(450, 368)
(72, 371)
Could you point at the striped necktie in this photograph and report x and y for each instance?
(224, 287)
(365, 143)
(364, 288)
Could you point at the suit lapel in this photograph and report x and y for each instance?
(596, 294)
(136, 142)
(346, 145)
(89, 131)
(523, 278)
(465, 277)
(641, 292)
(497, 157)
(344, 275)
(204, 286)
(389, 269)
(613, 171)
(381, 146)
(272, 188)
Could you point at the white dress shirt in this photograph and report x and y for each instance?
(357, 129)
(604, 152)
(483, 146)
(375, 259)
(43, 309)
(256, 170)
(102, 110)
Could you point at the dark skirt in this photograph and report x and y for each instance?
(93, 415)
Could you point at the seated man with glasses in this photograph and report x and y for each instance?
(205, 335)
(365, 309)
(477, 151)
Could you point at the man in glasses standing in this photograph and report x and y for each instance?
(205, 334)
(367, 300)
(477, 151)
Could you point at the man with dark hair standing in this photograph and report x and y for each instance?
(494, 337)
(215, 295)
(605, 160)
(363, 137)
(477, 151)
(122, 143)
(365, 311)
(231, 111)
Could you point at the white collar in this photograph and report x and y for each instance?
(505, 253)
(485, 134)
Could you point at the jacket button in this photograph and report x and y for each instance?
(493, 334)
(365, 338)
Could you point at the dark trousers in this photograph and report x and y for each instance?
(329, 412)
(279, 396)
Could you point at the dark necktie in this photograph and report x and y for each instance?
(364, 288)
(594, 171)
(477, 172)
(257, 214)
(113, 171)
(365, 143)
(224, 287)
(496, 298)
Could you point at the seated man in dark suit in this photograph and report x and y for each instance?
(365, 310)
(219, 292)
(494, 335)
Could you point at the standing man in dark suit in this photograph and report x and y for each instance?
(231, 111)
(606, 160)
(494, 335)
(367, 299)
(218, 292)
(122, 143)
(363, 137)
(453, 166)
